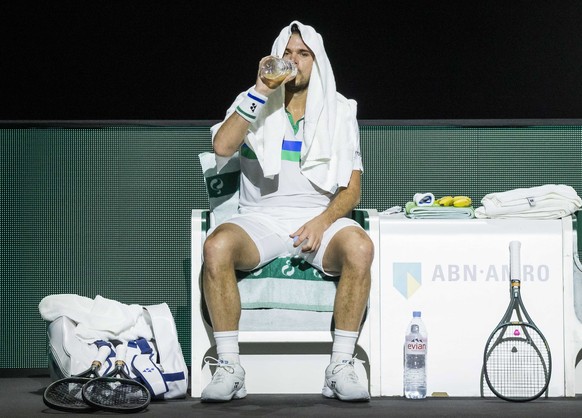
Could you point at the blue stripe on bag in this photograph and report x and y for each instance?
(173, 377)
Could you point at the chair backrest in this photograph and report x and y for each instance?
(222, 183)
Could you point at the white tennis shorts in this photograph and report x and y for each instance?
(271, 236)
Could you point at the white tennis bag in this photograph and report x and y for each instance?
(158, 363)
(67, 355)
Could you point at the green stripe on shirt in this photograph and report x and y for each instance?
(293, 156)
(290, 156)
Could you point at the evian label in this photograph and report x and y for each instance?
(416, 346)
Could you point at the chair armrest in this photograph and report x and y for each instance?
(364, 217)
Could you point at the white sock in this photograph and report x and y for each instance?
(344, 344)
(227, 346)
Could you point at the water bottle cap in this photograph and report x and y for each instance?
(416, 314)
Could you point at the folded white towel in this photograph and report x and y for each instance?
(331, 128)
(98, 319)
(414, 211)
(550, 201)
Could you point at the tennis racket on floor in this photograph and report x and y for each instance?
(117, 391)
(517, 363)
(66, 394)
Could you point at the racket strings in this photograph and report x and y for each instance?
(66, 394)
(517, 362)
(116, 393)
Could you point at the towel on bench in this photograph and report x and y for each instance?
(287, 283)
(435, 211)
(550, 201)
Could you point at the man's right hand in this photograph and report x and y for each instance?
(266, 86)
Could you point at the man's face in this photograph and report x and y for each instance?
(303, 57)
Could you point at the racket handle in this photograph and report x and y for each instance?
(514, 260)
(102, 355)
(121, 351)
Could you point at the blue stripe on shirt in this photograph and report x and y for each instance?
(291, 146)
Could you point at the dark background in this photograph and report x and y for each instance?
(187, 60)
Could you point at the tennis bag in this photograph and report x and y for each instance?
(158, 363)
(68, 355)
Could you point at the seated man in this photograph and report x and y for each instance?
(300, 179)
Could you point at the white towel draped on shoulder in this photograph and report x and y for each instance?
(331, 129)
(550, 201)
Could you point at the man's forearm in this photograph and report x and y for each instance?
(344, 201)
(230, 135)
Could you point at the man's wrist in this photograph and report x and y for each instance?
(251, 106)
(264, 90)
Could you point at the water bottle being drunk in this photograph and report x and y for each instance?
(276, 69)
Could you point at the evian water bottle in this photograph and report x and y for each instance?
(415, 349)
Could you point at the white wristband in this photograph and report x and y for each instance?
(251, 105)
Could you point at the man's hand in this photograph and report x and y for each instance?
(346, 199)
(266, 86)
(312, 231)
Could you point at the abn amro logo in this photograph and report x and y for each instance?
(407, 278)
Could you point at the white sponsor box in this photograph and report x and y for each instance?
(456, 272)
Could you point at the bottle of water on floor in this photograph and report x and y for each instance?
(415, 350)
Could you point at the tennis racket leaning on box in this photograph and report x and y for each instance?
(117, 391)
(66, 394)
(517, 363)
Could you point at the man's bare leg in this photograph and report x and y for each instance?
(350, 251)
(228, 248)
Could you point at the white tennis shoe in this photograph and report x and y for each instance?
(227, 383)
(341, 381)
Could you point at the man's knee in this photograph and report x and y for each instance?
(217, 246)
(359, 250)
(230, 246)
